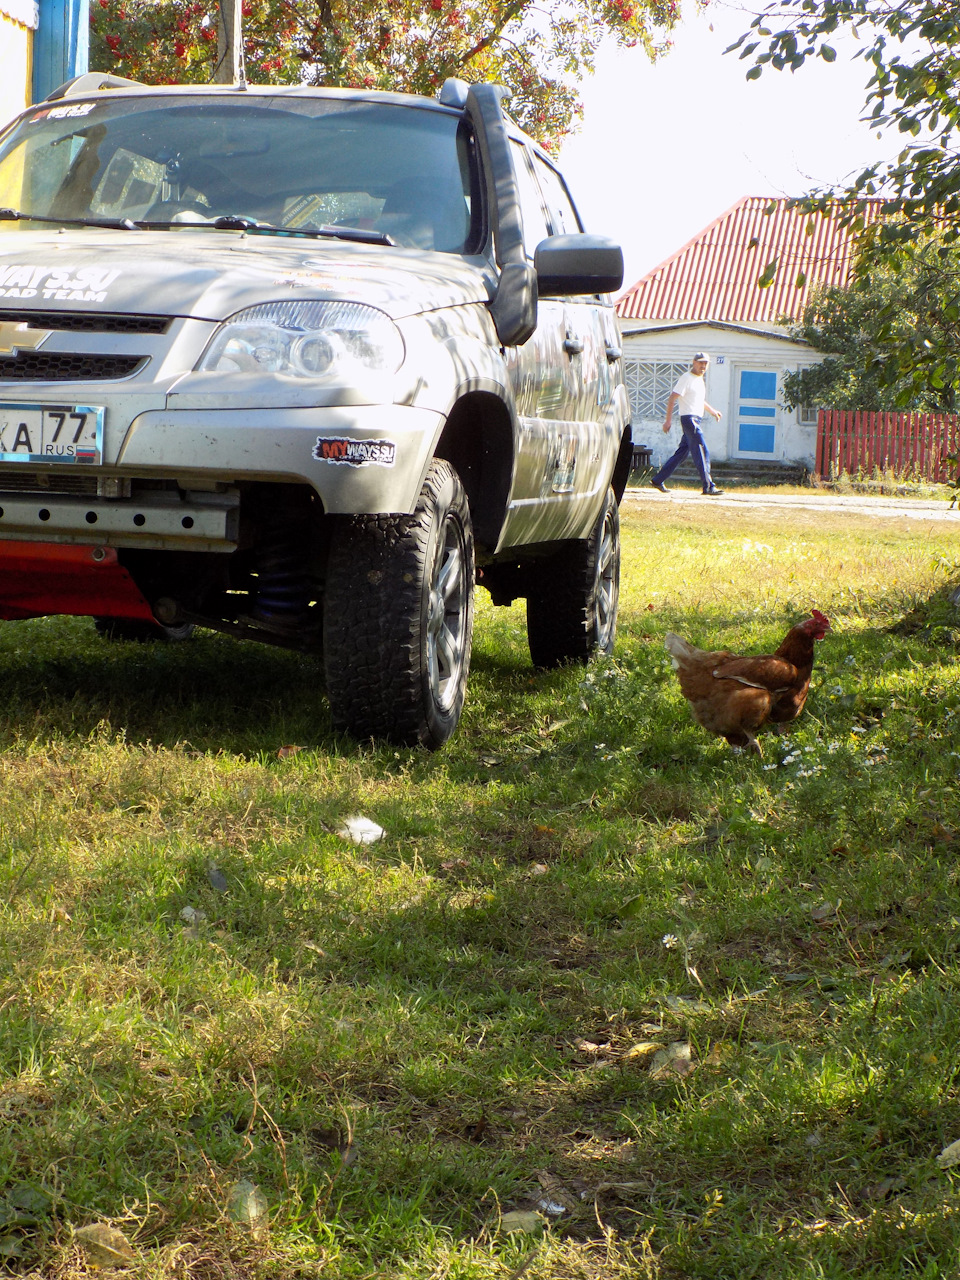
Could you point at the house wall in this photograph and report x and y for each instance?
(729, 350)
(18, 21)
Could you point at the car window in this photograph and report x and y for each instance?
(532, 208)
(293, 162)
(563, 215)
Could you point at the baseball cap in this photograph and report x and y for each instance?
(702, 355)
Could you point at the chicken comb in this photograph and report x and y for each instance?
(820, 617)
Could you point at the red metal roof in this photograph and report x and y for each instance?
(714, 276)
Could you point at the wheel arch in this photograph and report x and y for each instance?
(478, 440)
(621, 468)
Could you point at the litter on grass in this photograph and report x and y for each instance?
(360, 830)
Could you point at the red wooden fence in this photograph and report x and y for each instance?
(907, 444)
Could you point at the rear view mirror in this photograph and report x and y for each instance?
(578, 264)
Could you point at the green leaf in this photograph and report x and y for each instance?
(828, 53)
(768, 275)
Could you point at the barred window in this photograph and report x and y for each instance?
(649, 383)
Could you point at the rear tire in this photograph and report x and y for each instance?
(572, 612)
(398, 617)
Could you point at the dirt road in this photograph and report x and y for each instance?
(855, 504)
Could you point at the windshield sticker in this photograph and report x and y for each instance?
(355, 453)
(81, 284)
(64, 113)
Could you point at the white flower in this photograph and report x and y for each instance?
(670, 940)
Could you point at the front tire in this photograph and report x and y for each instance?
(398, 617)
(572, 611)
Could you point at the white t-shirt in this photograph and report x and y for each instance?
(693, 393)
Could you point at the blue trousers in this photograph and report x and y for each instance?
(693, 444)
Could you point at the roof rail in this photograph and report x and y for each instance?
(90, 82)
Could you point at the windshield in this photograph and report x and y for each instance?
(295, 163)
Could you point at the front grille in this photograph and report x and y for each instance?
(19, 479)
(88, 321)
(63, 366)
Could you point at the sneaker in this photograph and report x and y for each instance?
(658, 484)
(713, 492)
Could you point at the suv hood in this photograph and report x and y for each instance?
(209, 275)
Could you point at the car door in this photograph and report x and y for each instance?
(561, 382)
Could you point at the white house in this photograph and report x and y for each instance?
(42, 44)
(705, 297)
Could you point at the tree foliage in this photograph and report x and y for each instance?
(892, 340)
(895, 334)
(408, 45)
(911, 49)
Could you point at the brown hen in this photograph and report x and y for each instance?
(735, 696)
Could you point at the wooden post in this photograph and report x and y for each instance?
(230, 43)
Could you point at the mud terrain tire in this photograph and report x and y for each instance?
(398, 617)
(572, 612)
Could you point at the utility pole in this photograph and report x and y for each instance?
(230, 43)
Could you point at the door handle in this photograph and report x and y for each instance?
(573, 346)
(613, 353)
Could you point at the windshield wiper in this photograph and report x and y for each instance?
(227, 222)
(113, 224)
(239, 222)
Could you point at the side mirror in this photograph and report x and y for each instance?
(580, 263)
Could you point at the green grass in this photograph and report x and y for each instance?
(401, 1043)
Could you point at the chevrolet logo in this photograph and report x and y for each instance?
(20, 337)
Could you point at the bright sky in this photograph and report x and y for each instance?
(665, 148)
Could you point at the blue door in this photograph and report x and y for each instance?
(757, 413)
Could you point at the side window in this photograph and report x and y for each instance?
(532, 211)
(559, 205)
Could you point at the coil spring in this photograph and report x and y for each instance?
(283, 579)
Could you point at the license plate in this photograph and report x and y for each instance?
(50, 433)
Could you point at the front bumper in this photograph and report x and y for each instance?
(361, 459)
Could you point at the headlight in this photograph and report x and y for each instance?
(332, 341)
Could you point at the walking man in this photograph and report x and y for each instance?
(690, 391)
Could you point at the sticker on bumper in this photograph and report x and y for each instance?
(355, 453)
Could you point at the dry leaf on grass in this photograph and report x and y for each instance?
(672, 1060)
(558, 1198)
(521, 1220)
(642, 1048)
(285, 752)
(217, 878)
(247, 1206)
(104, 1245)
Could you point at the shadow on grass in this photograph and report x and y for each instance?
(58, 676)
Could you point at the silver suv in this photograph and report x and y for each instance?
(301, 365)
